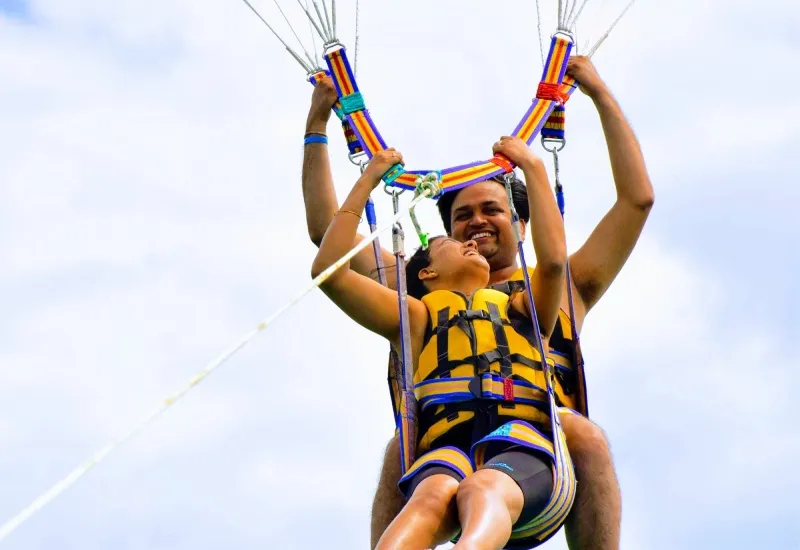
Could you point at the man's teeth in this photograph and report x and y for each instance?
(481, 235)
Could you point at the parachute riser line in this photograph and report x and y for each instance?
(406, 421)
(79, 472)
(457, 177)
(308, 68)
(548, 373)
(554, 146)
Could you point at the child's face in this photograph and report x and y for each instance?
(481, 212)
(455, 260)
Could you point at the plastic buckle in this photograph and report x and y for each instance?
(476, 387)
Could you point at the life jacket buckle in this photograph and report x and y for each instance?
(476, 386)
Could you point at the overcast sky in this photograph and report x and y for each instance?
(151, 213)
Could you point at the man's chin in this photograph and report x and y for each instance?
(488, 251)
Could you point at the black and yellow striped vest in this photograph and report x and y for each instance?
(570, 379)
(474, 365)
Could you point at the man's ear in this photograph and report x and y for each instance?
(523, 227)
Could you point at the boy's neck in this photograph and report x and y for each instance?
(502, 275)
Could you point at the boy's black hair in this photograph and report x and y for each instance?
(417, 262)
(519, 194)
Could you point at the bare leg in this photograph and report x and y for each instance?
(489, 503)
(428, 520)
(388, 499)
(596, 516)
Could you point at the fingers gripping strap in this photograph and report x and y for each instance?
(393, 173)
(355, 111)
(459, 176)
(448, 457)
(337, 107)
(552, 76)
(503, 162)
(555, 125)
(353, 145)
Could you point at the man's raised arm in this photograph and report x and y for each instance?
(598, 262)
(319, 194)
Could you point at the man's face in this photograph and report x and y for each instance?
(481, 213)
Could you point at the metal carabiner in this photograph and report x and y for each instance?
(565, 33)
(331, 45)
(393, 191)
(553, 144)
(357, 159)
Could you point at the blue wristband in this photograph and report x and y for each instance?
(315, 139)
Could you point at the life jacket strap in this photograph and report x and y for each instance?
(488, 386)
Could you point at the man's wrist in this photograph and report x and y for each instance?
(602, 96)
(316, 125)
(531, 163)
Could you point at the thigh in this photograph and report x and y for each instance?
(584, 437)
(532, 472)
(388, 501)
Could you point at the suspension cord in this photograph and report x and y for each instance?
(553, 146)
(52, 493)
(548, 373)
(308, 69)
(408, 402)
(611, 28)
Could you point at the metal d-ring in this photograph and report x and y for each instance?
(553, 145)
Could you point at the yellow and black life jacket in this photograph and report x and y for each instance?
(570, 379)
(475, 366)
(570, 385)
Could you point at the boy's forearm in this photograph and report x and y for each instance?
(547, 227)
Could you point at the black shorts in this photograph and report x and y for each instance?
(531, 471)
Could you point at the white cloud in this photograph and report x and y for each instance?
(151, 214)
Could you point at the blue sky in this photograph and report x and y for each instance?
(150, 214)
(18, 9)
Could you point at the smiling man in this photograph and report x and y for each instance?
(481, 212)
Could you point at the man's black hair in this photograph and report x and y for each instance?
(519, 194)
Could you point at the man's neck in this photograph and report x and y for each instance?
(502, 275)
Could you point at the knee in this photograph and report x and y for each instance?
(482, 483)
(585, 437)
(500, 495)
(393, 447)
(434, 495)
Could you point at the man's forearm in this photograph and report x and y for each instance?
(319, 194)
(627, 162)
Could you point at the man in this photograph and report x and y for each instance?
(481, 212)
